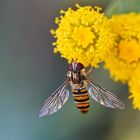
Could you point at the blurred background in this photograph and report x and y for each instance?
(30, 72)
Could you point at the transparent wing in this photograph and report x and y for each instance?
(55, 101)
(104, 97)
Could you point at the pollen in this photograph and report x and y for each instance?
(125, 55)
(84, 35)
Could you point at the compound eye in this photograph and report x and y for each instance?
(70, 67)
(80, 66)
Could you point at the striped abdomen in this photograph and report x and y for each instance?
(81, 99)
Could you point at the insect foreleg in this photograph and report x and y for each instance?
(87, 72)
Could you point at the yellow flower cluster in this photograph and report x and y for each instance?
(134, 87)
(125, 55)
(84, 35)
(124, 61)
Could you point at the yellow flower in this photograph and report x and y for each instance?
(125, 55)
(127, 51)
(134, 87)
(83, 34)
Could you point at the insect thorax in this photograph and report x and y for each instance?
(76, 75)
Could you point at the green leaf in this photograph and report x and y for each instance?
(123, 6)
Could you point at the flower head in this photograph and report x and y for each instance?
(125, 55)
(83, 34)
(134, 87)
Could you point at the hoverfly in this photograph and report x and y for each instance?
(81, 88)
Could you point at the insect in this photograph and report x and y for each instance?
(82, 88)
